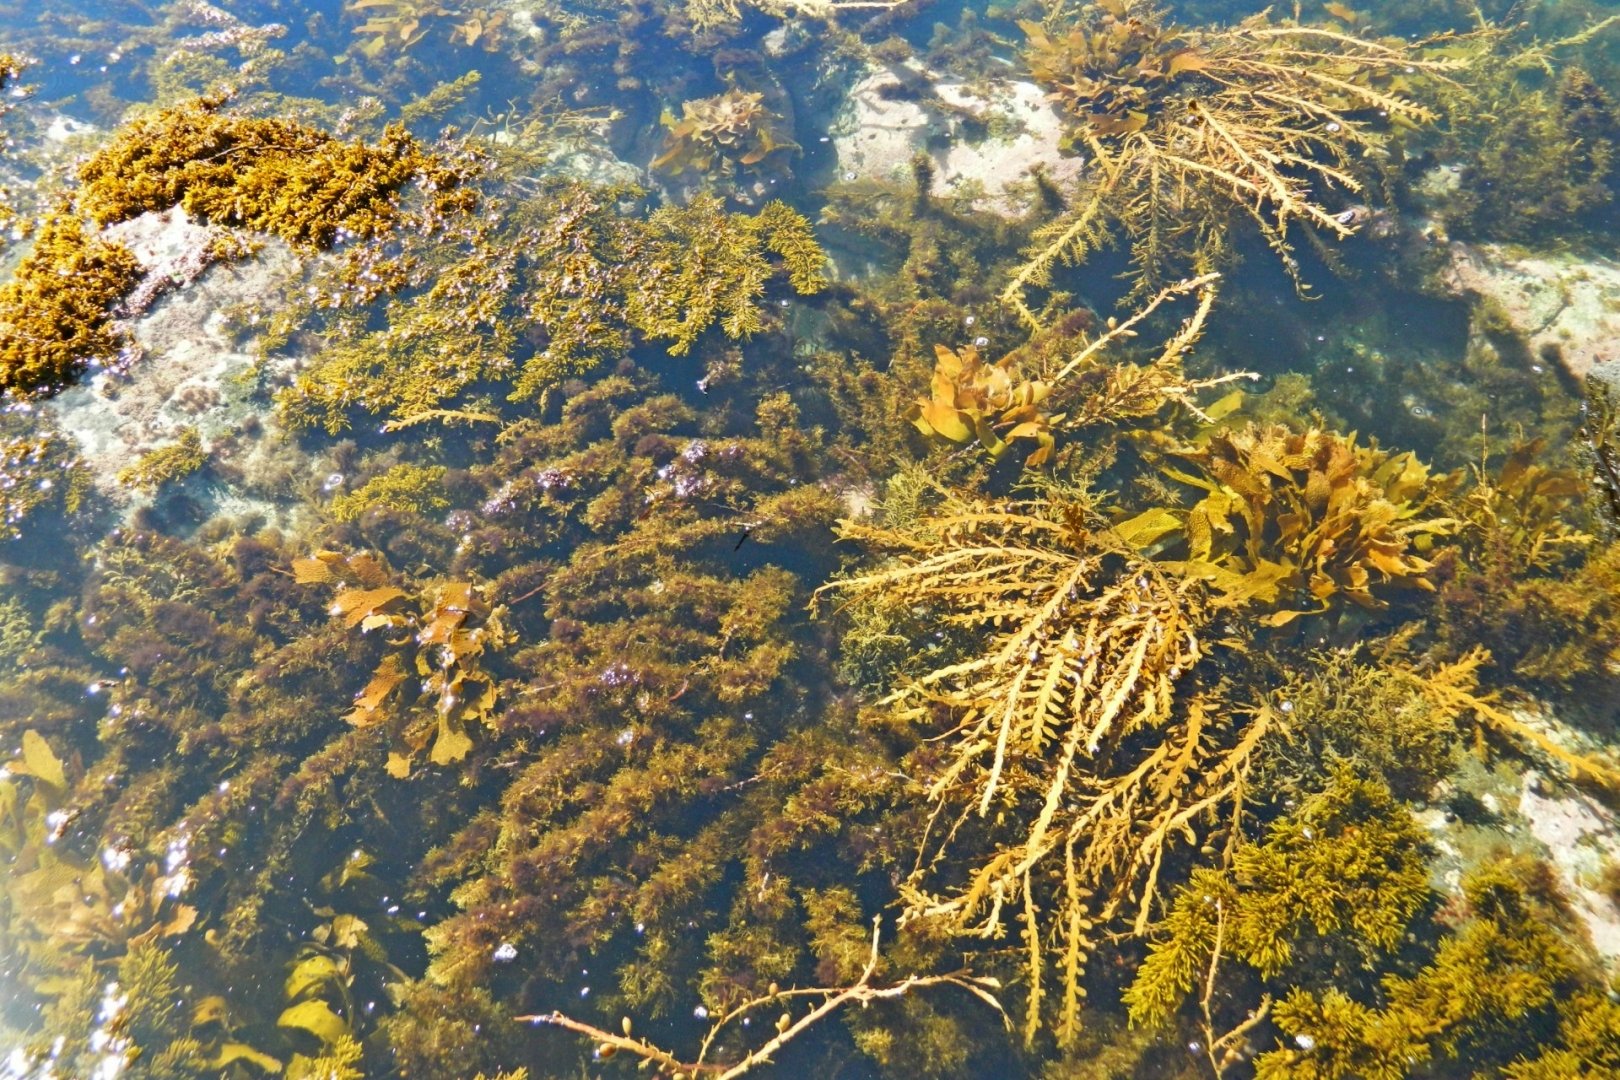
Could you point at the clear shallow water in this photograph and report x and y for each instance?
(470, 670)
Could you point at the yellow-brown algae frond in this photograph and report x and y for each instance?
(403, 24)
(716, 135)
(446, 632)
(1076, 724)
(272, 176)
(1189, 131)
(56, 312)
(158, 467)
(1083, 385)
(994, 403)
(1302, 518)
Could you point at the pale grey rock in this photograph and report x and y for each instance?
(595, 164)
(1565, 306)
(1581, 837)
(63, 128)
(876, 134)
(184, 367)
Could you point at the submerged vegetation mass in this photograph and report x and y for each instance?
(1277, 124)
(613, 608)
(270, 176)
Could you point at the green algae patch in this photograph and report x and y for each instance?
(56, 311)
(272, 176)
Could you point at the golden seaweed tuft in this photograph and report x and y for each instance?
(415, 488)
(717, 136)
(271, 176)
(167, 463)
(57, 310)
(1191, 130)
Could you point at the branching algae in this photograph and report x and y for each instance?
(1149, 709)
(167, 463)
(1190, 129)
(1094, 740)
(547, 288)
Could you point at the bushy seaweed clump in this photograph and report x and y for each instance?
(271, 176)
(1531, 154)
(597, 657)
(1504, 970)
(1545, 167)
(1098, 746)
(56, 311)
(1195, 129)
(167, 463)
(1340, 877)
(417, 488)
(671, 668)
(1535, 587)
(546, 288)
(1358, 713)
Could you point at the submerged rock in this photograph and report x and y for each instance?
(1581, 838)
(1565, 307)
(185, 368)
(1484, 814)
(980, 142)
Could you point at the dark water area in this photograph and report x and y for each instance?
(845, 539)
